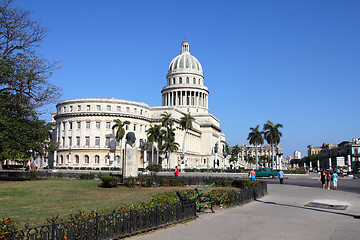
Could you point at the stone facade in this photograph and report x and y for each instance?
(83, 127)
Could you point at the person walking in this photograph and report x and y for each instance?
(322, 178)
(335, 180)
(176, 173)
(328, 179)
(252, 174)
(281, 176)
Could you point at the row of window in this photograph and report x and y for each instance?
(97, 125)
(180, 81)
(99, 108)
(86, 159)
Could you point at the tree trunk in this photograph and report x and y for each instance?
(256, 156)
(272, 157)
(152, 153)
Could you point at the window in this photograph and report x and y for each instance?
(141, 112)
(97, 141)
(97, 125)
(108, 107)
(63, 141)
(61, 159)
(77, 159)
(140, 128)
(86, 159)
(118, 108)
(127, 109)
(187, 80)
(98, 107)
(134, 127)
(199, 82)
(107, 141)
(70, 142)
(180, 80)
(97, 159)
(107, 159)
(126, 127)
(87, 141)
(87, 125)
(107, 125)
(63, 126)
(78, 125)
(79, 107)
(64, 109)
(70, 125)
(77, 141)
(70, 108)
(135, 110)
(173, 80)
(194, 81)
(88, 107)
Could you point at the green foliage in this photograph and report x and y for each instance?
(86, 176)
(33, 175)
(130, 182)
(146, 181)
(223, 183)
(176, 182)
(7, 225)
(154, 167)
(109, 181)
(243, 184)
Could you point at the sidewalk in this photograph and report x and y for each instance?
(279, 215)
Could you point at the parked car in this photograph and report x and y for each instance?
(266, 172)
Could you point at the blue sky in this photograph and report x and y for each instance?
(291, 62)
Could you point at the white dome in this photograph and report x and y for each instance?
(185, 62)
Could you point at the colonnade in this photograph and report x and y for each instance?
(183, 98)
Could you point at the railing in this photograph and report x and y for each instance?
(110, 226)
(247, 195)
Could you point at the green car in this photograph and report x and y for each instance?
(266, 172)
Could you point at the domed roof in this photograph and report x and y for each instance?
(185, 62)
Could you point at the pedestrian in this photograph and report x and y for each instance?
(281, 176)
(335, 180)
(176, 173)
(328, 179)
(322, 178)
(252, 174)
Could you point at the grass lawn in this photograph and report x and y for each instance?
(35, 201)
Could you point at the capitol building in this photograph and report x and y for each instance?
(83, 127)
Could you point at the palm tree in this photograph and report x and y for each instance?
(235, 152)
(153, 134)
(256, 138)
(226, 152)
(166, 120)
(272, 136)
(185, 123)
(120, 133)
(169, 144)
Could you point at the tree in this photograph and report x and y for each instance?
(185, 123)
(235, 152)
(169, 144)
(22, 71)
(22, 135)
(226, 152)
(272, 135)
(256, 138)
(119, 135)
(153, 134)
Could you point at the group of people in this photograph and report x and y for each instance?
(326, 177)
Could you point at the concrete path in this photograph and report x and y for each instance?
(279, 215)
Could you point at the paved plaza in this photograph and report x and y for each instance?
(279, 215)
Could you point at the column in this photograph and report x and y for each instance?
(349, 164)
(329, 162)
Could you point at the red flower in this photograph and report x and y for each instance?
(5, 222)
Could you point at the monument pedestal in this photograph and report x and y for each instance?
(131, 158)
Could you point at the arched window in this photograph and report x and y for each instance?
(199, 81)
(77, 159)
(107, 159)
(97, 159)
(180, 80)
(187, 80)
(61, 159)
(86, 159)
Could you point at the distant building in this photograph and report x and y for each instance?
(297, 155)
(311, 150)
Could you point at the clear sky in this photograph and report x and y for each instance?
(292, 62)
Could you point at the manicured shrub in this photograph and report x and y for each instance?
(109, 181)
(223, 183)
(130, 182)
(154, 167)
(105, 168)
(86, 176)
(33, 175)
(175, 182)
(242, 183)
(146, 181)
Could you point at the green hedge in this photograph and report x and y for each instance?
(154, 167)
(109, 181)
